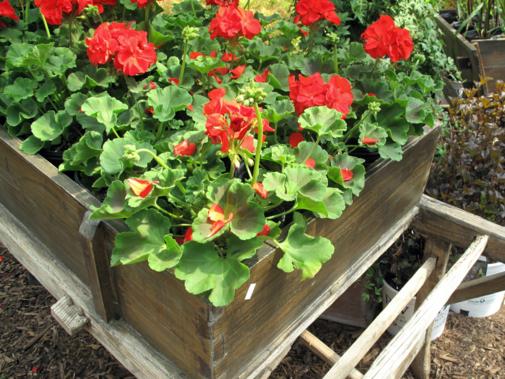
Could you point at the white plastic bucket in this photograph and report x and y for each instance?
(486, 305)
(389, 292)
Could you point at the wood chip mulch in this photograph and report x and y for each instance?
(33, 345)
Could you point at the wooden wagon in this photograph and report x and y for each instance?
(151, 324)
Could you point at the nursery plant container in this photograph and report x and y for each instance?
(389, 292)
(483, 306)
(204, 341)
(475, 59)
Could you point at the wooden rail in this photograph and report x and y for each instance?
(478, 287)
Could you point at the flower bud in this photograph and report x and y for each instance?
(190, 33)
(374, 107)
(130, 153)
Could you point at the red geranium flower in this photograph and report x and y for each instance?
(369, 141)
(185, 149)
(310, 163)
(217, 219)
(311, 11)
(7, 11)
(174, 81)
(82, 4)
(264, 232)
(383, 38)
(232, 22)
(238, 71)
(188, 236)
(260, 190)
(53, 10)
(295, 139)
(195, 54)
(223, 3)
(132, 53)
(312, 91)
(263, 77)
(346, 174)
(227, 121)
(140, 187)
(140, 3)
(229, 57)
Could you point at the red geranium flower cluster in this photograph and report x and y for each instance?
(233, 22)
(54, 10)
(141, 3)
(132, 53)
(383, 38)
(312, 91)
(7, 11)
(223, 3)
(229, 122)
(311, 11)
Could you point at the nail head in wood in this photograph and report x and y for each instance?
(68, 315)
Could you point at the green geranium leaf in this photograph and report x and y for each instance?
(120, 154)
(282, 154)
(302, 251)
(148, 239)
(391, 151)
(296, 180)
(244, 217)
(84, 154)
(372, 130)
(47, 89)
(51, 125)
(306, 150)
(204, 64)
(32, 145)
(279, 76)
(167, 101)
(75, 81)
(74, 103)
(203, 269)
(105, 109)
(324, 121)
(22, 88)
(416, 111)
(331, 206)
(279, 110)
(344, 161)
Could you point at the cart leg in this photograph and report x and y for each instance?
(440, 250)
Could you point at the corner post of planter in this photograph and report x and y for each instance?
(99, 273)
(440, 250)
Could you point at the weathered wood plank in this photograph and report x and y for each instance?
(454, 225)
(401, 346)
(484, 286)
(440, 251)
(48, 203)
(376, 329)
(324, 352)
(491, 53)
(99, 271)
(116, 336)
(69, 316)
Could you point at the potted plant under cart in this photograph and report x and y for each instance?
(474, 37)
(233, 168)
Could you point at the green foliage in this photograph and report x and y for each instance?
(469, 174)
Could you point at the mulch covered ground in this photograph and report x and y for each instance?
(33, 345)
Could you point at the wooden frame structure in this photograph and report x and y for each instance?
(442, 225)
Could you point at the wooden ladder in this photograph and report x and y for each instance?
(433, 287)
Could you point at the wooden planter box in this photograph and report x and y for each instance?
(245, 338)
(476, 59)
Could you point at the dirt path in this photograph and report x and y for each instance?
(32, 345)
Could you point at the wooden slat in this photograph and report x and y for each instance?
(99, 270)
(439, 250)
(484, 286)
(375, 330)
(324, 352)
(69, 316)
(117, 337)
(454, 225)
(401, 346)
(491, 53)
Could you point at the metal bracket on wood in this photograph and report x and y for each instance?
(100, 278)
(69, 316)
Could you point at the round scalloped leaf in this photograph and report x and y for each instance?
(105, 109)
(167, 101)
(304, 252)
(324, 121)
(202, 269)
(51, 125)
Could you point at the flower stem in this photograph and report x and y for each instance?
(48, 33)
(147, 12)
(183, 64)
(155, 157)
(259, 145)
(282, 213)
(163, 210)
(27, 12)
